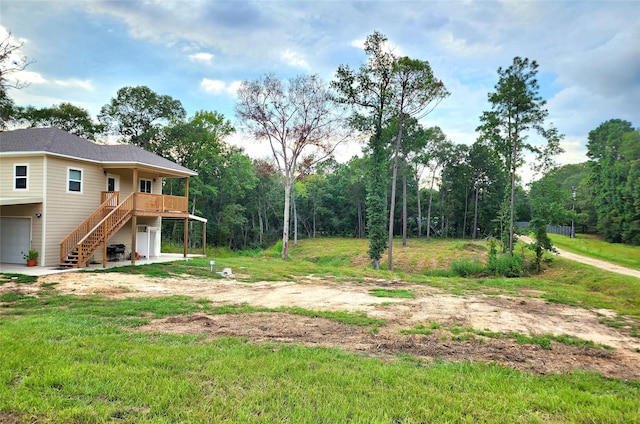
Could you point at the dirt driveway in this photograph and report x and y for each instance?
(607, 266)
(455, 321)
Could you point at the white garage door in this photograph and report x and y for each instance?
(15, 236)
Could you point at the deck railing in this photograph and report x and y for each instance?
(114, 200)
(160, 203)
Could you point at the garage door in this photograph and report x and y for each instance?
(15, 236)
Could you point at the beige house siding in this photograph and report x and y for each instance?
(127, 185)
(65, 210)
(35, 170)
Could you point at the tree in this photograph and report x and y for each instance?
(369, 93)
(6, 107)
(266, 197)
(517, 109)
(574, 179)
(10, 62)
(197, 144)
(236, 180)
(457, 188)
(65, 116)
(295, 118)
(548, 202)
(440, 151)
(488, 184)
(417, 94)
(194, 142)
(138, 114)
(614, 162)
(414, 143)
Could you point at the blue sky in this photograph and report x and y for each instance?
(197, 51)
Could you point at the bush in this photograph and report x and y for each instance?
(506, 266)
(276, 250)
(466, 267)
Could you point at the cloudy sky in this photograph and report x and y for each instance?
(197, 51)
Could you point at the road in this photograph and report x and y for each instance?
(607, 266)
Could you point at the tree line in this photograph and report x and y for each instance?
(410, 181)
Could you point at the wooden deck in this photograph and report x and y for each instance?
(146, 204)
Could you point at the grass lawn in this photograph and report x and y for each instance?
(69, 359)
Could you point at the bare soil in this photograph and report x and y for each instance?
(523, 313)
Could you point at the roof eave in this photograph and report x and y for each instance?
(114, 164)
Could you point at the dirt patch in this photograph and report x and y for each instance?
(522, 314)
(287, 328)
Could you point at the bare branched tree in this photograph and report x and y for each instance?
(296, 118)
(11, 61)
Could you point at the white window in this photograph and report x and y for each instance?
(21, 177)
(75, 180)
(145, 186)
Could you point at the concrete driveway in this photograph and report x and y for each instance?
(44, 270)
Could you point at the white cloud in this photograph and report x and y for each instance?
(233, 87)
(359, 43)
(75, 83)
(295, 59)
(36, 78)
(459, 46)
(206, 58)
(26, 77)
(219, 87)
(213, 86)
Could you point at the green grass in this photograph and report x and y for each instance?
(67, 359)
(542, 340)
(396, 293)
(617, 253)
(80, 359)
(17, 279)
(359, 318)
(418, 329)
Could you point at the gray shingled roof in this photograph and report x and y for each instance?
(58, 142)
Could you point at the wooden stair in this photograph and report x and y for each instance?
(81, 244)
(71, 260)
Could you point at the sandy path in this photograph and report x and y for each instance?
(607, 266)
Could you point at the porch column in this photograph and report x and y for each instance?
(186, 220)
(135, 179)
(186, 235)
(204, 238)
(134, 218)
(134, 231)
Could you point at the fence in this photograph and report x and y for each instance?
(563, 230)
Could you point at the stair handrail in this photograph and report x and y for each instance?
(72, 239)
(84, 252)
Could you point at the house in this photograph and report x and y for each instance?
(78, 202)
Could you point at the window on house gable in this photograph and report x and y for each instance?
(21, 174)
(75, 180)
(145, 186)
